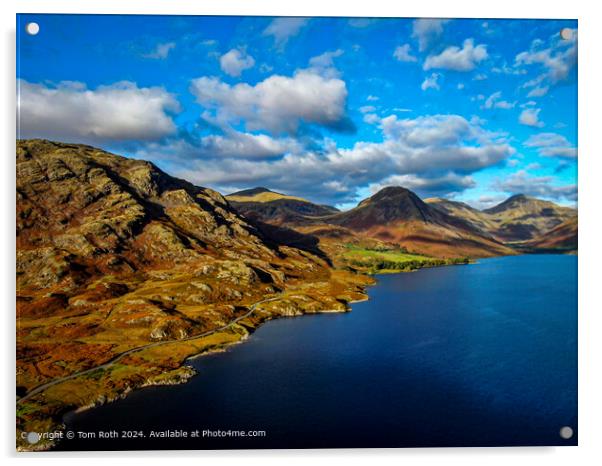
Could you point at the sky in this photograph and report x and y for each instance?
(330, 109)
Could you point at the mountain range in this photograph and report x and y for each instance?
(435, 226)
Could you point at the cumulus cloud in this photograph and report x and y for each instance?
(282, 29)
(235, 62)
(456, 58)
(161, 51)
(404, 53)
(435, 154)
(530, 117)
(430, 82)
(247, 145)
(552, 145)
(427, 31)
(279, 104)
(69, 111)
(188, 147)
(538, 186)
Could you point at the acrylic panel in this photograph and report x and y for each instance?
(270, 232)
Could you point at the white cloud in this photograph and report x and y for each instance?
(530, 117)
(371, 118)
(325, 60)
(426, 31)
(372, 98)
(558, 59)
(538, 186)
(248, 146)
(161, 51)
(367, 108)
(556, 62)
(456, 58)
(495, 101)
(435, 153)
(235, 62)
(282, 29)
(71, 112)
(324, 64)
(552, 145)
(403, 53)
(231, 144)
(278, 103)
(443, 185)
(430, 82)
(487, 201)
(538, 91)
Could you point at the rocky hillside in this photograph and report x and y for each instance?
(114, 254)
(82, 212)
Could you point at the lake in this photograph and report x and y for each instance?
(476, 355)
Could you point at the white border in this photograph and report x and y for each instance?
(590, 195)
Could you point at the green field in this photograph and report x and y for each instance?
(382, 260)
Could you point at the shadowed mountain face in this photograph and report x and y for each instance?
(518, 218)
(276, 208)
(562, 237)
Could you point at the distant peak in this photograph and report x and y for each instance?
(393, 194)
(392, 191)
(517, 197)
(252, 191)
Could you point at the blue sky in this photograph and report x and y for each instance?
(331, 109)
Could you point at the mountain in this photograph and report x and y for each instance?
(521, 218)
(477, 218)
(518, 218)
(562, 237)
(83, 213)
(114, 256)
(397, 215)
(276, 208)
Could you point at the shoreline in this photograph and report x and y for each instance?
(244, 332)
(189, 371)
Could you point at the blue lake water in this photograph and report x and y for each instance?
(476, 355)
